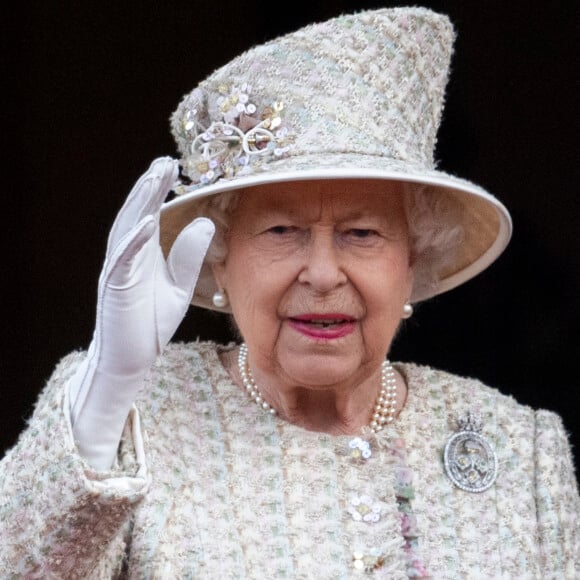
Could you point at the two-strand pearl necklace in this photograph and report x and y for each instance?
(383, 412)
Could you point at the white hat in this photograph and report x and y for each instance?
(357, 96)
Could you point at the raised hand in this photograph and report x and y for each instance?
(142, 299)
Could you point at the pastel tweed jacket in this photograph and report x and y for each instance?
(209, 486)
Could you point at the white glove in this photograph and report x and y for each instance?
(142, 299)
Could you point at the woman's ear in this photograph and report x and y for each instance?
(410, 281)
(220, 297)
(407, 310)
(219, 274)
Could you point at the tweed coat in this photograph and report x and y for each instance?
(208, 486)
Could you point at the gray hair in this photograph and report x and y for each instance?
(433, 219)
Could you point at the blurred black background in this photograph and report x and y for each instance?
(88, 89)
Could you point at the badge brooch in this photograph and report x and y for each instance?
(469, 458)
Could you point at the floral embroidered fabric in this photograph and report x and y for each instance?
(367, 509)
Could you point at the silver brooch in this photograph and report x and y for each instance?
(469, 458)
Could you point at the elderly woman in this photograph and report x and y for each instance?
(308, 207)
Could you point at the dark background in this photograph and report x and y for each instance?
(88, 89)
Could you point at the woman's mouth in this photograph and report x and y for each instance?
(323, 326)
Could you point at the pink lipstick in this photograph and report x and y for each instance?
(327, 326)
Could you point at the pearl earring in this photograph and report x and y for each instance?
(220, 299)
(407, 310)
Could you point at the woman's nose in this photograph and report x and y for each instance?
(322, 269)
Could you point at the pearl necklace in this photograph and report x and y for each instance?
(383, 412)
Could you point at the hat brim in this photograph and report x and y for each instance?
(487, 224)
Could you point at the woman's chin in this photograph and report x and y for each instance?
(319, 370)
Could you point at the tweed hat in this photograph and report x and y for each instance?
(357, 96)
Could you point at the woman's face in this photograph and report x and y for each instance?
(317, 274)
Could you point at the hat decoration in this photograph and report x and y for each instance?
(357, 96)
(243, 136)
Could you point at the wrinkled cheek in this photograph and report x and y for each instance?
(245, 312)
(382, 324)
(257, 322)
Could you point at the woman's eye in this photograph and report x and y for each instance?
(280, 230)
(362, 233)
